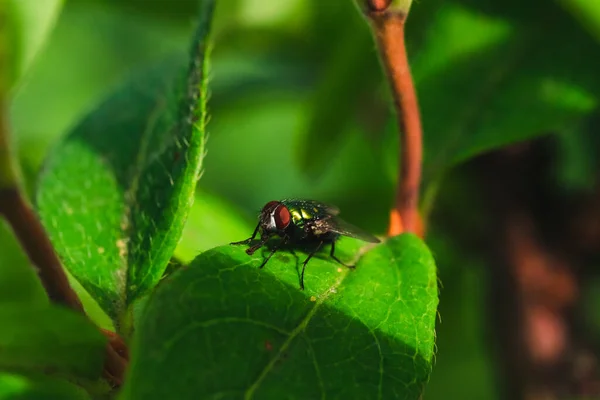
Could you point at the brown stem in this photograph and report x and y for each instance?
(114, 366)
(117, 343)
(388, 25)
(30, 233)
(378, 5)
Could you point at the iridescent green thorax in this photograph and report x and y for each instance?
(300, 215)
(303, 211)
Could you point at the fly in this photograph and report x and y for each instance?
(303, 222)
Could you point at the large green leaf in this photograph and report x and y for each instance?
(115, 194)
(38, 387)
(222, 328)
(49, 338)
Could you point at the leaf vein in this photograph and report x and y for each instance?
(129, 196)
(298, 330)
(313, 356)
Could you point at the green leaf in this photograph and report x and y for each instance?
(26, 24)
(222, 328)
(51, 339)
(22, 387)
(115, 194)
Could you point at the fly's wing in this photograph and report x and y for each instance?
(317, 206)
(342, 227)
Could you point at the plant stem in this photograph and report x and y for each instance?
(388, 26)
(30, 233)
(114, 365)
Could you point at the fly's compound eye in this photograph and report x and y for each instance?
(282, 217)
(270, 206)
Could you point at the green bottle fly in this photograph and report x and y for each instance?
(304, 222)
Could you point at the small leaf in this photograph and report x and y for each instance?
(19, 282)
(22, 387)
(576, 159)
(115, 194)
(224, 328)
(586, 12)
(25, 26)
(51, 339)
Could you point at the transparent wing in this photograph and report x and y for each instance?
(342, 227)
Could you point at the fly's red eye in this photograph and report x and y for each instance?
(270, 206)
(282, 217)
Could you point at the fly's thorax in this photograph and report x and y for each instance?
(305, 225)
(301, 215)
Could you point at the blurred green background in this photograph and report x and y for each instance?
(299, 108)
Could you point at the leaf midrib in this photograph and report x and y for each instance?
(293, 334)
(130, 199)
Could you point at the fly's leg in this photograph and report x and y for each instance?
(263, 239)
(251, 238)
(275, 248)
(306, 261)
(337, 259)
